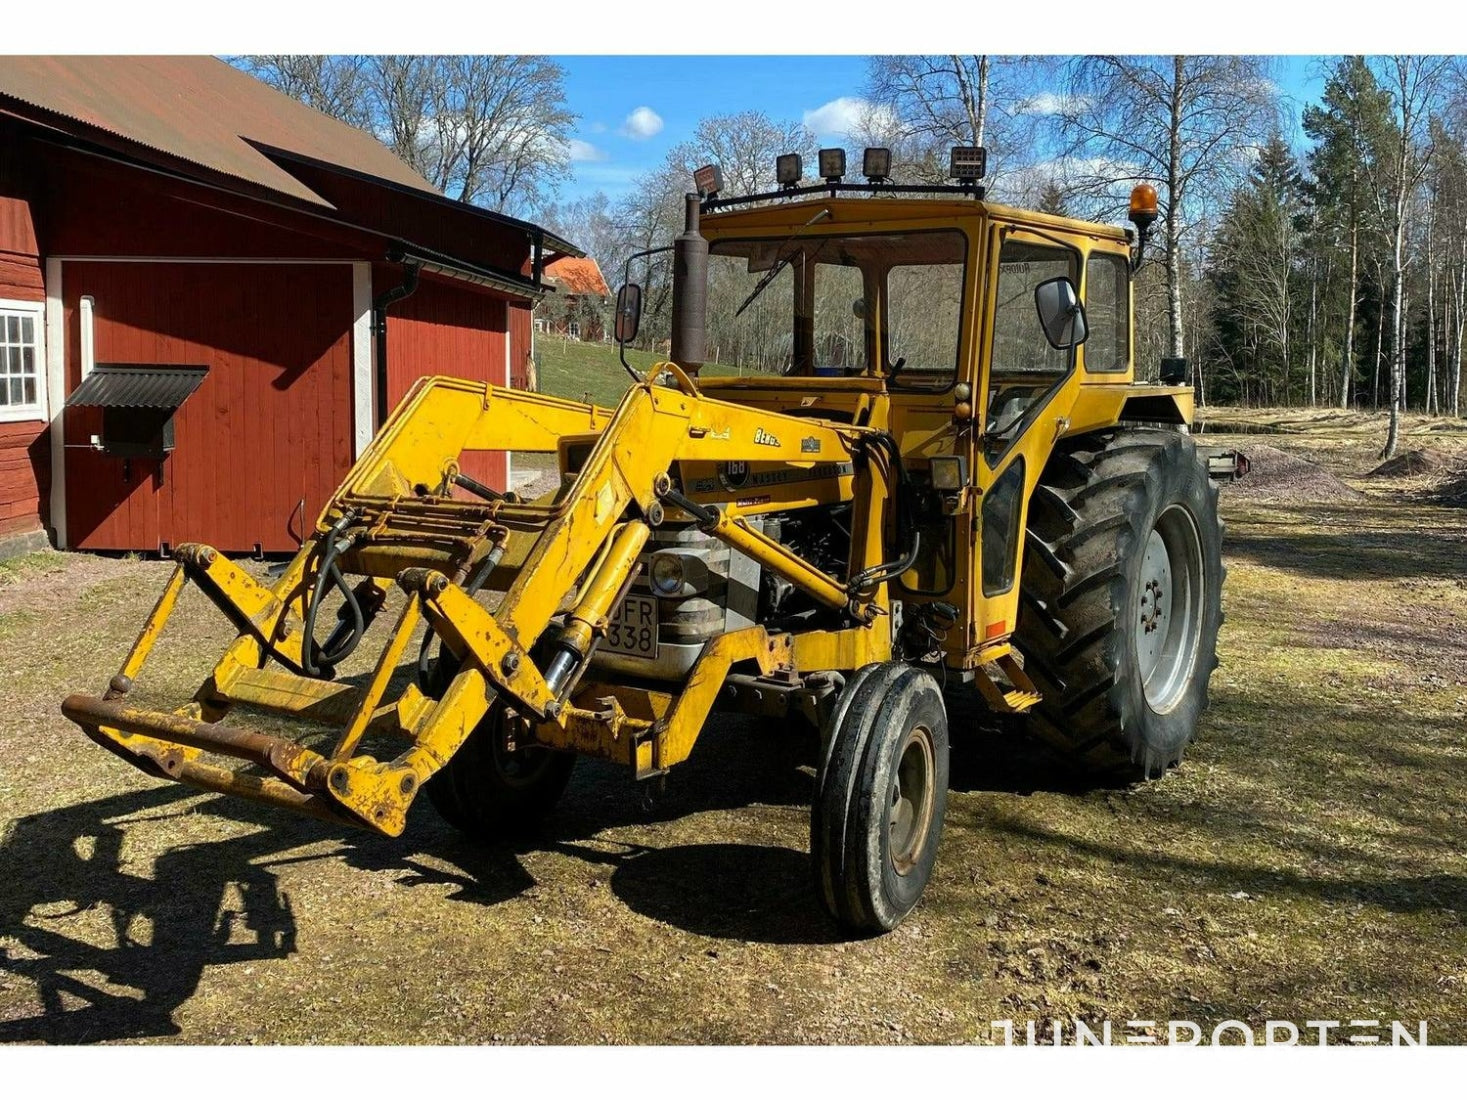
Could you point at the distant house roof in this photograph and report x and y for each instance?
(201, 110)
(577, 275)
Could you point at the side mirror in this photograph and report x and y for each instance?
(1060, 313)
(628, 313)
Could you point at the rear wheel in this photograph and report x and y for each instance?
(881, 795)
(1121, 600)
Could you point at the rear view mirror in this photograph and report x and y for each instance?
(1060, 313)
(628, 312)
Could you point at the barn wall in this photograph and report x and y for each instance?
(446, 328)
(268, 427)
(24, 479)
(144, 214)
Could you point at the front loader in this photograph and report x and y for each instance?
(933, 472)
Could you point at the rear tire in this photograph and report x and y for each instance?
(1121, 600)
(881, 796)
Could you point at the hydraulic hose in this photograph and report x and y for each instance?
(317, 660)
(907, 531)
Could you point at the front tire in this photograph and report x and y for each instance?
(1121, 600)
(881, 796)
(488, 791)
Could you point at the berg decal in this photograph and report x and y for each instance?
(764, 439)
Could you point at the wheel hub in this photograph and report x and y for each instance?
(912, 792)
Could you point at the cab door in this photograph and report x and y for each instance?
(1025, 390)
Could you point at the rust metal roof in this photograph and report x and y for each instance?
(577, 275)
(200, 110)
(137, 386)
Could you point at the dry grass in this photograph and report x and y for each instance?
(1305, 862)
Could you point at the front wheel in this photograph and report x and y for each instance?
(881, 796)
(490, 790)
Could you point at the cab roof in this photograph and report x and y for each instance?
(880, 212)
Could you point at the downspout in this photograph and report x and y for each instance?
(379, 331)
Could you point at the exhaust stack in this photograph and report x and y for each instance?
(690, 292)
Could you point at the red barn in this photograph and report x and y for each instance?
(211, 295)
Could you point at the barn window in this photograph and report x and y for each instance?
(22, 361)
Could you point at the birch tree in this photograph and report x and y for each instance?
(1415, 84)
(1185, 123)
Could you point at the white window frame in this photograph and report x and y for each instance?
(573, 329)
(40, 410)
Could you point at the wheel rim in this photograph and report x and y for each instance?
(912, 790)
(1171, 603)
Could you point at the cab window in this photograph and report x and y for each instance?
(1108, 313)
(1025, 368)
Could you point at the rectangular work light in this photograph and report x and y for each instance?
(876, 164)
(832, 165)
(708, 180)
(969, 163)
(788, 169)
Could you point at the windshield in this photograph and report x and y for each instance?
(821, 305)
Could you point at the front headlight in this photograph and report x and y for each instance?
(667, 574)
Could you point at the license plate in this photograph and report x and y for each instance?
(633, 629)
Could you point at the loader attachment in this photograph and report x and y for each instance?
(402, 533)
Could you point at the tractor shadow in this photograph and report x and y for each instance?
(74, 911)
(113, 940)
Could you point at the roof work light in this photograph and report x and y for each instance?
(876, 165)
(969, 163)
(708, 180)
(788, 168)
(832, 165)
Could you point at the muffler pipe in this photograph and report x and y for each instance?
(690, 292)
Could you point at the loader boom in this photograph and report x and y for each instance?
(395, 524)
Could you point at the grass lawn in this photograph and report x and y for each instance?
(571, 368)
(1305, 862)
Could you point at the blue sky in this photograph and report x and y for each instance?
(613, 146)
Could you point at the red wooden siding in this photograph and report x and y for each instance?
(270, 425)
(446, 329)
(147, 215)
(24, 445)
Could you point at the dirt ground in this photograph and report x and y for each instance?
(1306, 861)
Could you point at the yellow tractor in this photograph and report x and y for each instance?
(931, 471)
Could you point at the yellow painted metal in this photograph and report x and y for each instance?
(673, 739)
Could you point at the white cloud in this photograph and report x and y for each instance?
(579, 150)
(848, 115)
(1049, 103)
(642, 124)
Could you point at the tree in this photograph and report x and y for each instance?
(1415, 85)
(1255, 261)
(492, 130)
(925, 104)
(1350, 128)
(1183, 123)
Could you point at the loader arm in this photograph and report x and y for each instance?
(398, 524)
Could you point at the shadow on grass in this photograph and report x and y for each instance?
(1335, 542)
(114, 948)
